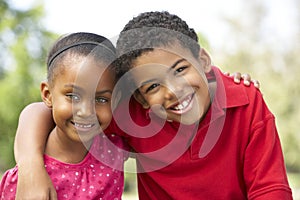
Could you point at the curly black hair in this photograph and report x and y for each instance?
(151, 30)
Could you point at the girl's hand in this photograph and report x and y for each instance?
(237, 76)
(34, 182)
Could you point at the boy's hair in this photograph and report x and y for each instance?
(80, 44)
(153, 30)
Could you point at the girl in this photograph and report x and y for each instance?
(79, 158)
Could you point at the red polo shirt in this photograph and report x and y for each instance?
(233, 153)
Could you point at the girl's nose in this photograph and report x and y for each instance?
(85, 109)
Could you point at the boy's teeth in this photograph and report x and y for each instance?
(183, 104)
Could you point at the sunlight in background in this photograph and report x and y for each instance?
(275, 30)
(207, 17)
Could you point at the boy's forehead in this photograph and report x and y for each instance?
(165, 55)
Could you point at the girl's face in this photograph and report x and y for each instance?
(80, 97)
(173, 85)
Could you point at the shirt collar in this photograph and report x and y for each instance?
(228, 94)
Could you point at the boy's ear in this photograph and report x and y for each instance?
(46, 94)
(139, 97)
(205, 60)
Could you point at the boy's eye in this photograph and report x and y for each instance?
(101, 100)
(180, 69)
(73, 97)
(152, 87)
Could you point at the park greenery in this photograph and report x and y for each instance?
(24, 41)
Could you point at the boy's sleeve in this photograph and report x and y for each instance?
(264, 168)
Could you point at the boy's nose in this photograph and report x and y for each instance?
(173, 89)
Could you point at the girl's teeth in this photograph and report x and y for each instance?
(83, 126)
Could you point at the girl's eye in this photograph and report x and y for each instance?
(180, 69)
(101, 100)
(152, 87)
(73, 97)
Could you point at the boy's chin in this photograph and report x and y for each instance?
(189, 121)
(186, 120)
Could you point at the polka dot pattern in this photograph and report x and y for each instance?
(89, 179)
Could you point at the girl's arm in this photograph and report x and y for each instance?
(237, 77)
(35, 123)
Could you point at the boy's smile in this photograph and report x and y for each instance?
(171, 85)
(183, 106)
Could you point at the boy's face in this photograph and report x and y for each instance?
(80, 98)
(173, 85)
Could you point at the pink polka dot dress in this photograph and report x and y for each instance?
(98, 176)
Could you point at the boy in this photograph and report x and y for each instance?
(217, 143)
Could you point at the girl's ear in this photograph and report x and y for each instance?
(46, 94)
(205, 60)
(139, 97)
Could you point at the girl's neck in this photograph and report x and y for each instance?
(64, 149)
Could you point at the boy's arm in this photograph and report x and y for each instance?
(35, 123)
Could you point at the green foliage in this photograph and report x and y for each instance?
(24, 43)
(277, 69)
(23, 47)
(204, 43)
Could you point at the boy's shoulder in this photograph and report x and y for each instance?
(232, 94)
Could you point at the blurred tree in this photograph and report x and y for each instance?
(23, 47)
(255, 48)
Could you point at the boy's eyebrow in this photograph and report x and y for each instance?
(172, 67)
(146, 82)
(177, 62)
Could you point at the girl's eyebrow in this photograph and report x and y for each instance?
(74, 87)
(82, 89)
(103, 92)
